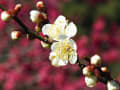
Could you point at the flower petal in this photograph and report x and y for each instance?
(62, 62)
(57, 62)
(45, 28)
(62, 37)
(52, 56)
(61, 22)
(54, 62)
(54, 46)
(73, 58)
(60, 19)
(71, 30)
(34, 12)
(73, 44)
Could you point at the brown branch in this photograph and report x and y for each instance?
(105, 76)
(26, 29)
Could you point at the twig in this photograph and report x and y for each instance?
(26, 29)
(105, 76)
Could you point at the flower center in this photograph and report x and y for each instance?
(64, 50)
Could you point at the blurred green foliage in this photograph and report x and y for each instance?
(87, 13)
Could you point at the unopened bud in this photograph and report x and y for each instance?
(40, 5)
(96, 60)
(91, 80)
(104, 69)
(18, 7)
(112, 85)
(35, 16)
(15, 35)
(37, 28)
(45, 45)
(6, 16)
(87, 70)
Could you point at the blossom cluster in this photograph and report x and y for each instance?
(64, 49)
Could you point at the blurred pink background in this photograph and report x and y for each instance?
(24, 64)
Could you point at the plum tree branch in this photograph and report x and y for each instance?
(105, 76)
(26, 29)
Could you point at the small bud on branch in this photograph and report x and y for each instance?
(6, 16)
(15, 35)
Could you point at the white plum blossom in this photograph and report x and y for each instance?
(62, 52)
(60, 29)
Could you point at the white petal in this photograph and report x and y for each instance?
(73, 58)
(73, 44)
(54, 62)
(71, 30)
(62, 62)
(52, 56)
(60, 19)
(62, 37)
(34, 19)
(34, 12)
(57, 62)
(53, 46)
(61, 22)
(45, 45)
(45, 28)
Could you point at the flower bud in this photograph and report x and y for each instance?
(45, 45)
(91, 80)
(87, 71)
(112, 85)
(104, 69)
(18, 7)
(40, 5)
(5, 16)
(15, 35)
(96, 60)
(37, 28)
(37, 16)
(34, 16)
